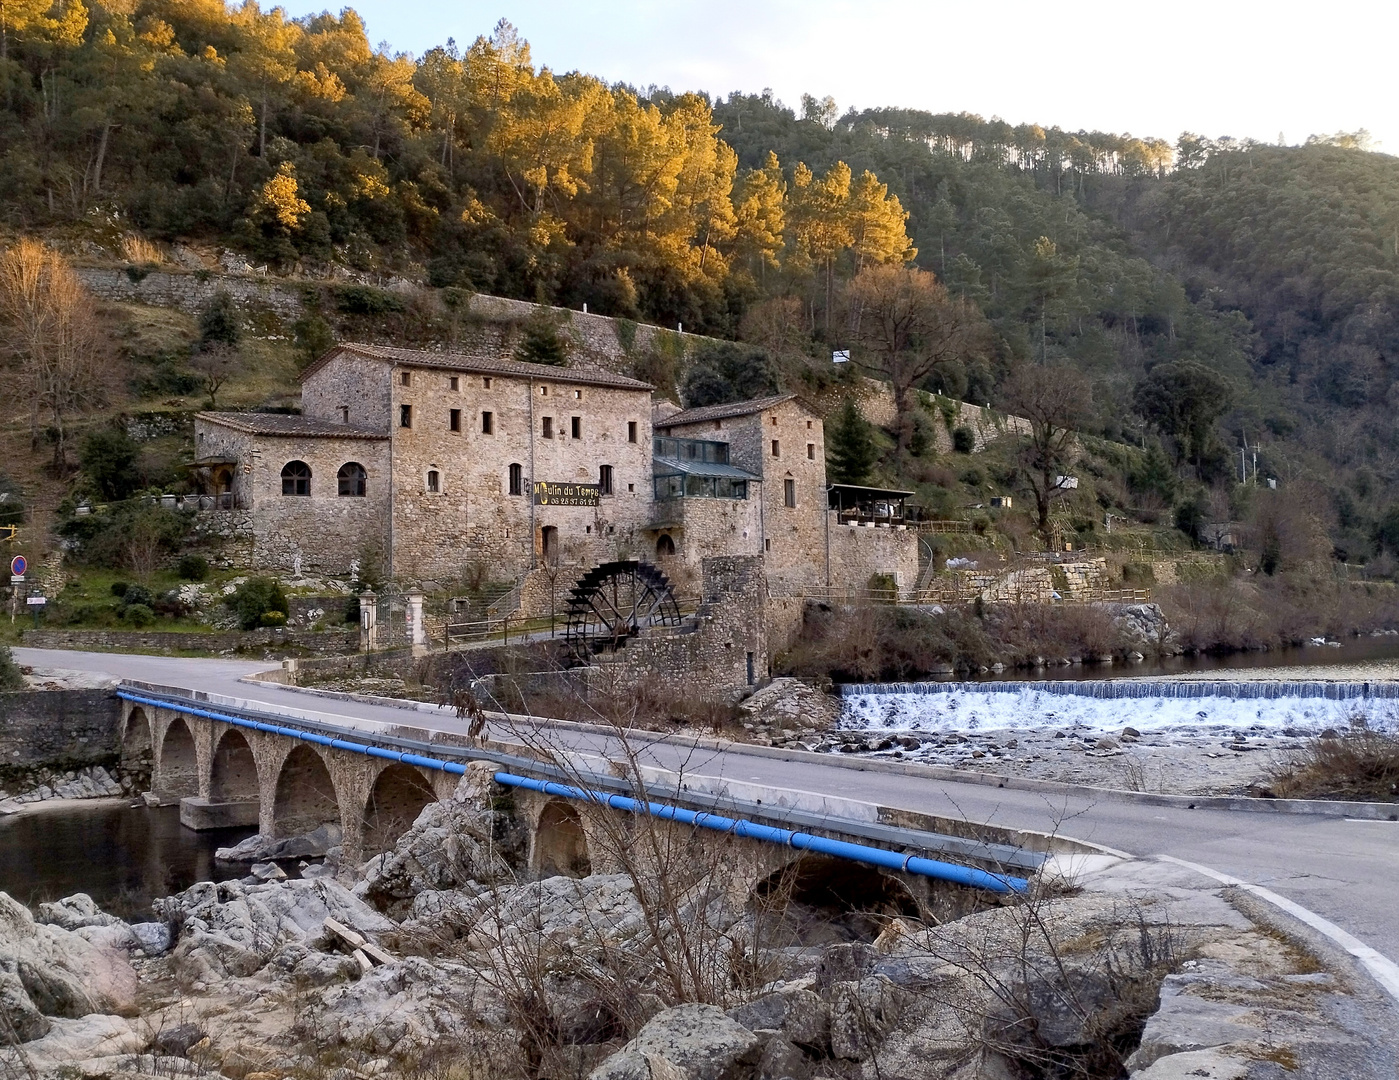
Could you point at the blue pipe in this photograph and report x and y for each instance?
(889, 860)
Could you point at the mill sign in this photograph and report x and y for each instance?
(549, 493)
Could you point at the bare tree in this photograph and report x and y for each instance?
(215, 364)
(53, 333)
(1055, 400)
(907, 328)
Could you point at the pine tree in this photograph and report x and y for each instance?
(851, 452)
(540, 343)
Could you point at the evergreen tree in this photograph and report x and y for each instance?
(540, 342)
(850, 449)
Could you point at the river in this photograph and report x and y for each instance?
(123, 857)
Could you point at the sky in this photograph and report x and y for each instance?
(1145, 67)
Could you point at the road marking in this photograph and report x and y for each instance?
(1382, 969)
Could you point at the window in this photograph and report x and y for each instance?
(776, 448)
(604, 479)
(665, 546)
(296, 478)
(767, 545)
(578, 395)
(808, 425)
(547, 431)
(517, 480)
(453, 383)
(718, 425)
(405, 379)
(774, 421)
(485, 382)
(631, 487)
(405, 416)
(434, 482)
(789, 492)
(631, 431)
(344, 414)
(350, 480)
(811, 451)
(575, 426)
(488, 423)
(543, 391)
(454, 420)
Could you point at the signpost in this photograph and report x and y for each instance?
(549, 493)
(18, 565)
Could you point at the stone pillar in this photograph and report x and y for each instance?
(413, 615)
(368, 621)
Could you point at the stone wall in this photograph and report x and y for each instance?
(58, 728)
(192, 292)
(859, 551)
(986, 425)
(165, 641)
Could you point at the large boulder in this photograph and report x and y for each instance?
(231, 929)
(69, 1042)
(53, 972)
(795, 1011)
(448, 846)
(688, 1042)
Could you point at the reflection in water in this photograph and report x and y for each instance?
(122, 857)
(1365, 650)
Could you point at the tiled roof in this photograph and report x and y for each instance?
(289, 424)
(723, 412)
(483, 365)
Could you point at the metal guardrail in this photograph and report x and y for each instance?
(417, 751)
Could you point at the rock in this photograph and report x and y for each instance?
(261, 848)
(17, 1012)
(176, 1041)
(799, 1014)
(62, 975)
(231, 929)
(861, 1015)
(789, 703)
(70, 1041)
(267, 871)
(1131, 732)
(152, 938)
(781, 1060)
(1195, 1065)
(74, 911)
(688, 1042)
(1185, 1022)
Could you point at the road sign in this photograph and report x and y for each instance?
(36, 601)
(18, 565)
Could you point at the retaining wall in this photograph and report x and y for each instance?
(58, 728)
(326, 641)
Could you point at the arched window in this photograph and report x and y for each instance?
(517, 480)
(296, 478)
(351, 480)
(665, 546)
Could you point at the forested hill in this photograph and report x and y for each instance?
(1215, 293)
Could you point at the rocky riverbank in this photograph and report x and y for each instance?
(442, 957)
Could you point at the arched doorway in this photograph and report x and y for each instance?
(820, 900)
(305, 795)
(398, 797)
(665, 546)
(179, 764)
(233, 776)
(136, 757)
(560, 848)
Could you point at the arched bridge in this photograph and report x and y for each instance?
(229, 765)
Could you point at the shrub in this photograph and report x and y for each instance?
(138, 615)
(219, 323)
(255, 598)
(963, 439)
(109, 459)
(366, 300)
(273, 618)
(119, 588)
(193, 567)
(131, 536)
(1362, 765)
(10, 677)
(137, 595)
(540, 342)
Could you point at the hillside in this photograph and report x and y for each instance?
(1227, 303)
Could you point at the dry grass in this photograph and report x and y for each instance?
(139, 251)
(1362, 766)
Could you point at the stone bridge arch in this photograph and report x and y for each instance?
(559, 841)
(233, 775)
(177, 769)
(305, 796)
(397, 798)
(137, 752)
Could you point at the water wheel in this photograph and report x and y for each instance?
(614, 602)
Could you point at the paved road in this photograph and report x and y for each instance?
(1344, 871)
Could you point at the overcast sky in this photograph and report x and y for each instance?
(1221, 67)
